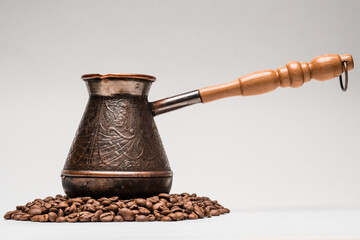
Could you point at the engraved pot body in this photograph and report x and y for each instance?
(117, 150)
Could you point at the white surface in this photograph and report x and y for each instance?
(289, 149)
(312, 225)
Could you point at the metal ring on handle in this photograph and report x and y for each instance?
(344, 88)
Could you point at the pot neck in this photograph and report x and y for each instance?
(116, 87)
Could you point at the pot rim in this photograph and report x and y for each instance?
(113, 76)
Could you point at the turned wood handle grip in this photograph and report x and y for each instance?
(294, 74)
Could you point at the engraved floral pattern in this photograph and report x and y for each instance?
(117, 134)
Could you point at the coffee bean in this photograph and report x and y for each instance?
(106, 202)
(166, 219)
(60, 219)
(151, 217)
(113, 208)
(164, 195)
(16, 216)
(85, 216)
(48, 199)
(159, 206)
(165, 212)
(8, 214)
(75, 200)
(60, 213)
(215, 212)
(176, 209)
(140, 202)
(141, 218)
(73, 217)
(144, 211)
(118, 219)
(52, 216)
(55, 210)
(35, 211)
(47, 205)
(63, 205)
(127, 214)
(199, 211)
(36, 218)
(178, 216)
(96, 217)
(114, 199)
(107, 217)
(20, 208)
(25, 217)
(73, 208)
(149, 205)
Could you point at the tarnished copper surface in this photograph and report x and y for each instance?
(117, 149)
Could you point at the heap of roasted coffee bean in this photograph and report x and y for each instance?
(163, 207)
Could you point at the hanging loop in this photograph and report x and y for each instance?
(344, 86)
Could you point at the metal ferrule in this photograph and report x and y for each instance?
(175, 102)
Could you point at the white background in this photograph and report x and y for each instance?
(292, 149)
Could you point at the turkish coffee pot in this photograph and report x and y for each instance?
(117, 150)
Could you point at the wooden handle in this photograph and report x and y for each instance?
(294, 74)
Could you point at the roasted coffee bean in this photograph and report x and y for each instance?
(151, 217)
(40, 218)
(107, 217)
(165, 212)
(207, 211)
(47, 205)
(17, 216)
(176, 209)
(106, 202)
(73, 208)
(20, 208)
(25, 217)
(8, 214)
(52, 216)
(159, 206)
(60, 213)
(75, 200)
(215, 212)
(60, 219)
(35, 211)
(164, 195)
(100, 207)
(73, 217)
(48, 199)
(149, 205)
(131, 205)
(55, 210)
(178, 216)
(166, 219)
(96, 217)
(141, 218)
(140, 202)
(63, 205)
(144, 211)
(114, 199)
(85, 216)
(127, 214)
(118, 218)
(199, 211)
(113, 208)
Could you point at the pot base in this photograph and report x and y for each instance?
(123, 187)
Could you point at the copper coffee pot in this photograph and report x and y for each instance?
(117, 150)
